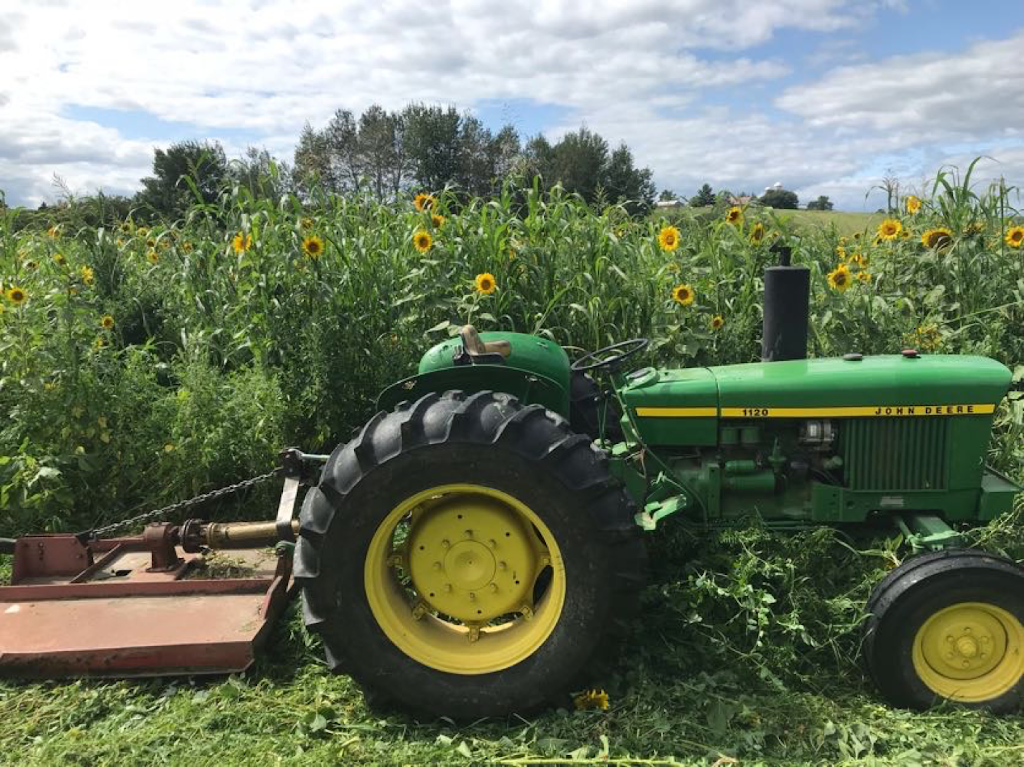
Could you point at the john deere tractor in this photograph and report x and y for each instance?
(475, 546)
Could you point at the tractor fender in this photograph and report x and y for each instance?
(528, 387)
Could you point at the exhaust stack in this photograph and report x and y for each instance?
(786, 301)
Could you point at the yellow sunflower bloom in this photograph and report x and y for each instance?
(841, 252)
(59, 259)
(31, 265)
(142, 231)
(422, 240)
(16, 295)
(437, 221)
(716, 322)
(913, 204)
(940, 237)
(423, 201)
(890, 229)
(591, 699)
(864, 276)
(840, 278)
(306, 223)
(757, 233)
(734, 215)
(87, 275)
(153, 256)
(53, 231)
(859, 259)
(683, 294)
(107, 322)
(313, 247)
(1015, 236)
(241, 242)
(485, 283)
(668, 238)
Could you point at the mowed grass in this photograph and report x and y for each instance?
(666, 708)
(845, 223)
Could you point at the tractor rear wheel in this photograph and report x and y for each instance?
(947, 626)
(467, 556)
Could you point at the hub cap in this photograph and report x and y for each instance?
(452, 573)
(970, 652)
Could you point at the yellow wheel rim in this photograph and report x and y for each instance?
(970, 652)
(451, 575)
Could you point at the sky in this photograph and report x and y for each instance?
(824, 96)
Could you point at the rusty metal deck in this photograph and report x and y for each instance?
(112, 608)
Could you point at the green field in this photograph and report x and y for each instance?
(145, 362)
(844, 223)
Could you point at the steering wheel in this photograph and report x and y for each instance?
(593, 361)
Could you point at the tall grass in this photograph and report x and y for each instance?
(219, 355)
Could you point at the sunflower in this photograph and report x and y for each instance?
(913, 204)
(840, 278)
(306, 223)
(241, 242)
(16, 295)
(975, 227)
(683, 294)
(1015, 236)
(940, 237)
(841, 252)
(126, 227)
(485, 283)
(59, 259)
(859, 259)
(717, 322)
(186, 247)
(313, 246)
(734, 215)
(890, 229)
(437, 221)
(668, 238)
(142, 231)
(590, 699)
(87, 274)
(424, 201)
(757, 233)
(150, 243)
(53, 231)
(31, 265)
(107, 322)
(422, 240)
(856, 235)
(863, 276)
(153, 256)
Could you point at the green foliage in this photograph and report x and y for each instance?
(185, 173)
(822, 203)
(228, 341)
(704, 197)
(782, 199)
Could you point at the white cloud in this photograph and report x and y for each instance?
(633, 70)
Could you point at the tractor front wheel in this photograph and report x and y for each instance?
(467, 556)
(948, 627)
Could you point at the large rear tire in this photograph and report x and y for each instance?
(947, 627)
(468, 556)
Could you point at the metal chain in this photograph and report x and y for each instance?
(151, 516)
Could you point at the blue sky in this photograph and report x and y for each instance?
(825, 96)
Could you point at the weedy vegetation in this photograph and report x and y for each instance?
(147, 362)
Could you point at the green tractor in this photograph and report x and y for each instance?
(475, 546)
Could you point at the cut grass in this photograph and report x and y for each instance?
(665, 709)
(844, 223)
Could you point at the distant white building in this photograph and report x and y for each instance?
(774, 187)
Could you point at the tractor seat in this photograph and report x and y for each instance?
(476, 351)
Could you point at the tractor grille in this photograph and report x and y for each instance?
(895, 453)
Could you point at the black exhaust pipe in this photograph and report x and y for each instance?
(787, 291)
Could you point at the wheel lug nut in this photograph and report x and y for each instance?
(447, 588)
(502, 566)
(950, 639)
(395, 560)
(474, 633)
(472, 596)
(469, 533)
(492, 543)
(494, 588)
(437, 565)
(445, 544)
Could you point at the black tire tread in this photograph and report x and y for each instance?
(492, 418)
